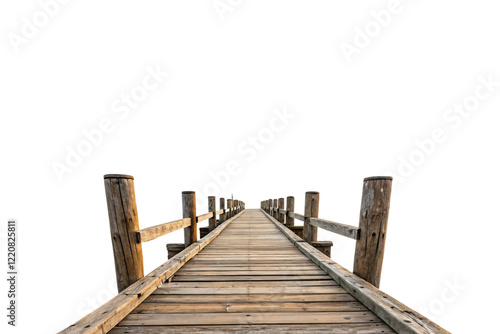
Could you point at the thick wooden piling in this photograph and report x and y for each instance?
(123, 223)
(373, 219)
(189, 211)
(311, 210)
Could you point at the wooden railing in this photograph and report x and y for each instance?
(370, 235)
(126, 236)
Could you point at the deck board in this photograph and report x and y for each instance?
(251, 279)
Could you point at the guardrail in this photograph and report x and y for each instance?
(370, 235)
(127, 238)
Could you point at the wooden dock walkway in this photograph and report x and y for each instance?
(251, 277)
(252, 270)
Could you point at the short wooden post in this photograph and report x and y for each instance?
(123, 223)
(212, 207)
(290, 206)
(189, 211)
(373, 218)
(222, 216)
(311, 211)
(270, 211)
(281, 205)
(275, 208)
(229, 209)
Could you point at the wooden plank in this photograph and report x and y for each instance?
(256, 272)
(366, 328)
(342, 229)
(153, 232)
(178, 278)
(253, 283)
(398, 316)
(163, 319)
(257, 290)
(154, 308)
(246, 298)
(197, 268)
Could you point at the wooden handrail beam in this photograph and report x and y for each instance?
(153, 232)
(296, 216)
(342, 229)
(204, 216)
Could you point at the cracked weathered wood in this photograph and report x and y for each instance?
(373, 219)
(123, 223)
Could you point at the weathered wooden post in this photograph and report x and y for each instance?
(281, 205)
(290, 207)
(270, 211)
(275, 208)
(229, 208)
(189, 211)
(373, 219)
(123, 223)
(222, 216)
(212, 207)
(311, 211)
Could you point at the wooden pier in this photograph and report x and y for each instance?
(251, 273)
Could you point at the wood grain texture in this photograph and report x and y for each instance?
(250, 274)
(123, 223)
(311, 210)
(342, 229)
(153, 232)
(212, 208)
(398, 316)
(189, 211)
(373, 218)
(290, 207)
(103, 319)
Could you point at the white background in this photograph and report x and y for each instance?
(226, 76)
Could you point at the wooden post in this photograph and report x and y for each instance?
(373, 219)
(212, 207)
(281, 205)
(275, 207)
(229, 208)
(222, 216)
(270, 211)
(189, 211)
(311, 211)
(123, 223)
(236, 206)
(290, 206)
